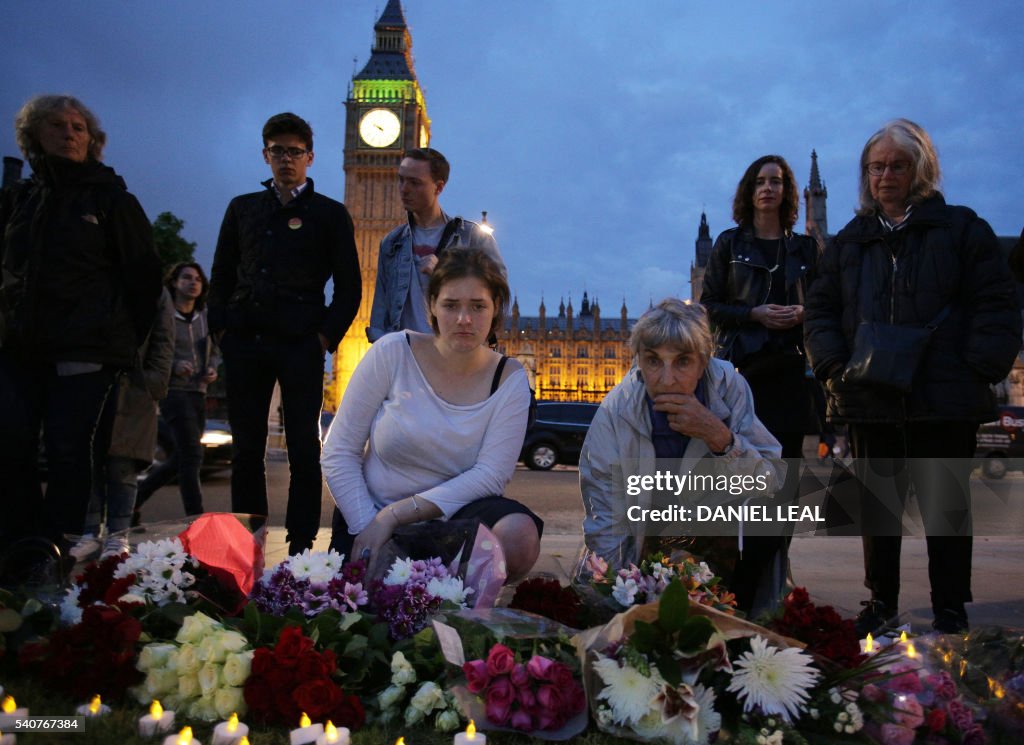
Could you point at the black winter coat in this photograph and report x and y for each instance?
(944, 255)
(273, 262)
(80, 277)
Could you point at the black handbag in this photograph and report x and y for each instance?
(888, 355)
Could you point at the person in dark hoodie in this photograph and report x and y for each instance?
(78, 295)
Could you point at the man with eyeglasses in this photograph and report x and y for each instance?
(276, 250)
(409, 253)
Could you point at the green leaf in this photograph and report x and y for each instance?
(674, 607)
(694, 634)
(669, 669)
(645, 637)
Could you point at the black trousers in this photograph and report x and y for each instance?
(67, 409)
(934, 457)
(184, 415)
(252, 365)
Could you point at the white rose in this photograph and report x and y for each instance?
(195, 628)
(229, 700)
(154, 655)
(159, 682)
(188, 686)
(402, 671)
(428, 697)
(203, 708)
(447, 721)
(188, 659)
(390, 696)
(237, 667)
(209, 678)
(413, 716)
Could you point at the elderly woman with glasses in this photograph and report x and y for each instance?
(909, 261)
(678, 402)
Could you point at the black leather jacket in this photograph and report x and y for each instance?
(737, 279)
(945, 255)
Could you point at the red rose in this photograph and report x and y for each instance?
(290, 646)
(317, 697)
(575, 699)
(550, 698)
(521, 721)
(348, 712)
(500, 660)
(498, 712)
(259, 697)
(936, 720)
(539, 667)
(262, 660)
(560, 675)
(519, 676)
(476, 675)
(501, 691)
(313, 665)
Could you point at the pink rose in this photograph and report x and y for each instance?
(539, 667)
(975, 736)
(501, 691)
(908, 712)
(498, 712)
(526, 697)
(873, 693)
(519, 676)
(960, 715)
(909, 682)
(560, 675)
(476, 675)
(550, 698)
(575, 699)
(894, 734)
(500, 660)
(521, 721)
(548, 720)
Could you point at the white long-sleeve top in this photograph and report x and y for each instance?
(394, 437)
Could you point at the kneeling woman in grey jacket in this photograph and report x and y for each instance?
(676, 403)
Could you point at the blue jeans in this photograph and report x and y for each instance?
(184, 414)
(66, 408)
(252, 364)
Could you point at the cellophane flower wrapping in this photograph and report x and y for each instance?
(516, 672)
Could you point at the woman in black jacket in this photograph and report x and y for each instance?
(754, 287)
(910, 260)
(78, 296)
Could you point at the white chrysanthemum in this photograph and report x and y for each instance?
(399, 573)
(624, 592)
(704, 574)
(449, 588)
(626, 690)
(775, 680)
(159, 570)
(319, 567)
(70, 612)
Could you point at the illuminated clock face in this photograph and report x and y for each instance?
(379, 127)
(424, 137)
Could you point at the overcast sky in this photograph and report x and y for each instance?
(593, 133)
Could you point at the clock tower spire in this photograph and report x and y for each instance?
(385, 115)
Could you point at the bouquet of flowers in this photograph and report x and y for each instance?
(547, 597)
(313, 581)
(404, 700)
(292, 679)
(636, 585)
(200, 673)
(823, 630)
(161, 572)
(96, 585)
(412, 591)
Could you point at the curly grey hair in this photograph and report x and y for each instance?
(37, 108)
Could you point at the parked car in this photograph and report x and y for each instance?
(1000, 444)
(216, 442)
(556, 435)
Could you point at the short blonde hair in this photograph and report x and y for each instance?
(679, 323)
(912, 139)
(37, 108)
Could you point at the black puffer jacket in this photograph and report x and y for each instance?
(80, 277)
(273, 261)
(737, 280)
(944, 255)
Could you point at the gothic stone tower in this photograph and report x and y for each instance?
(815, 208)
(385, 114)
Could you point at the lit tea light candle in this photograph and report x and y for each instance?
(230, 732)
(903, 637)
(157, 721)
(911, 651)
(867, 644)
(470, 736)
(9, 711)
(8, 739)
(307, 733)
(333, 735)
(95, 708)
(400, 741)
(182, 738)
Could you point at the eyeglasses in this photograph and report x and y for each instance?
(896, 168)
(277, 152)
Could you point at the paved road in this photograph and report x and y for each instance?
(830, 567)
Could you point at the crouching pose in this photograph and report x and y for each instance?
(431, 425)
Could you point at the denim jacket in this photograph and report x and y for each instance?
(621, 434)
(395, 267)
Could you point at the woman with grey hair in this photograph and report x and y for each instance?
(78, 297)
(678, 402)
(909, 262)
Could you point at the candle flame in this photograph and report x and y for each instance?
(95, 704)
(997, 690)
(330, 732)
(9, 706)
(156, 710)
(903, 637)
(869, 643)
(185, 736)
(471, 730)
(233, 722)
(304, 720)
(911, 651)
(400, 741)
(244, 740)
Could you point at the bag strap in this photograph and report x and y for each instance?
(497, 374)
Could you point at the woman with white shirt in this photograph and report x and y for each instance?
(431, 425)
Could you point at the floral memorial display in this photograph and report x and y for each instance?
(315, 644)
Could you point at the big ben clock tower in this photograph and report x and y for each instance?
(385, 114)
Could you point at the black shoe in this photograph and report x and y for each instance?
(951, 621)
(877, 617)
(297, 547)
